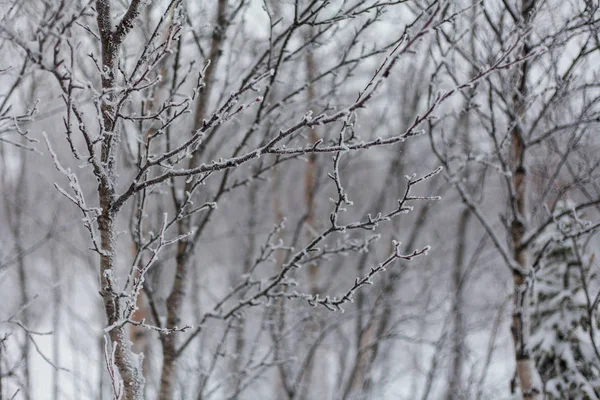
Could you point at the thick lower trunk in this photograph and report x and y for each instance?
(168, 370)
(174, 307)
(525, 366)
(128, 363)
(525, 369)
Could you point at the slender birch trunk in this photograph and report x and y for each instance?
(526, 371)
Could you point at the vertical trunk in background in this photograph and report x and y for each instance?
(365, 335)
(14, 211)
(185, 246)
(458, 333)
(280, 389)
(139, 335)
(310, 180)
(310, 174)
(23, 283)
(367, 332)
(526, 371)
(360, 383)
(240, 335)
(57, 300)
(278, 313)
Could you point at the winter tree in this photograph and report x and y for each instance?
(244, 199)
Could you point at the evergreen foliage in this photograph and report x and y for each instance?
(563, 347)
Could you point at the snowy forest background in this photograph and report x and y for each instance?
(303, 199)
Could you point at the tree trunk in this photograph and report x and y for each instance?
(185, 246)
(526, 371)
(310, 173)
(15, 222)
(458, 333)
(127, 363)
